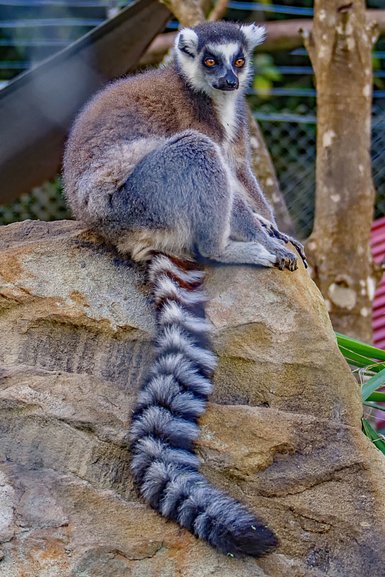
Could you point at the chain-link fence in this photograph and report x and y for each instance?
(378, 155)
(287, 116)
(291, 139)
(45, 202)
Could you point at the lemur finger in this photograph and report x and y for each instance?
(273, 231)
(284, 263)
(286, 259)
(280, 263)
(294, 265)
(300, 249)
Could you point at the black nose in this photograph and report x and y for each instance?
(227, 82)
(232, 82)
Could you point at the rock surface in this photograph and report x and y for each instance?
(282, 433)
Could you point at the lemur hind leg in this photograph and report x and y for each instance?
(215, 233)
(178, 200)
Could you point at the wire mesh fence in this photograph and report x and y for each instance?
(45, 202)
(30, 30)
(291, 139)
(378, 155)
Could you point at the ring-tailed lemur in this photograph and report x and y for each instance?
(159, 164)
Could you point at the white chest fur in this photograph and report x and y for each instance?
(226, 108)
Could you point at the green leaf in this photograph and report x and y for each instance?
(358, 360)
(263, 60)
(367, 357)
(377, 397)
(361, 348)
(372, 385)
(374, 406)
(373, 436)
(271, 73)
(262, 86)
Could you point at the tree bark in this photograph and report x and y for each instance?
(218, 11)
(281, 35)
(340, 47)
(188, 12)
(263, 168)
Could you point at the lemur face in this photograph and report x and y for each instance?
(216, 57)
(223, 65)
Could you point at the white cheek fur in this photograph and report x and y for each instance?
(225, 102)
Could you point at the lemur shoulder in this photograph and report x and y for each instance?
(159, 164)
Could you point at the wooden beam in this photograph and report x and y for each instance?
(281, 35)
(38, 107)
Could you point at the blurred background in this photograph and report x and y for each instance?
(282, 97)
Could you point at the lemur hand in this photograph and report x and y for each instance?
(285, 258)
(273, 231)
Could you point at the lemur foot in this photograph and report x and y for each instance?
(275, 233)
(285, 259)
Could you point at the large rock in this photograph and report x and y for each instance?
(282, 433)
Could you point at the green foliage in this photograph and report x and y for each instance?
(44, 202)
(266, 74)
(378, 81)
(370, 363)
(377, 440)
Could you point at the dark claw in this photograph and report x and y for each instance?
(274, 232)
(300, 249)
(286, 238)
(286, 260)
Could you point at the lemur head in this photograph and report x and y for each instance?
(216, 57)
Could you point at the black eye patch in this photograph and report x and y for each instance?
(239, 56)
(208, 56)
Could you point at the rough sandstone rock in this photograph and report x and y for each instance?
(282, 433)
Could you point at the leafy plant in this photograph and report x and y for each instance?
(266, 74)
(369, 362)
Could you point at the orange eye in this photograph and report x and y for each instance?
(239, 62)
(210, 62)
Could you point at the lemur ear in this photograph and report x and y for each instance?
(254, 35)
(187, 42)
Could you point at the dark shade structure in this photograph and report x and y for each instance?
(37, 109)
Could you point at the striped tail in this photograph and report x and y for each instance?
(165, 421)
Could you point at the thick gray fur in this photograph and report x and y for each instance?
(164, 423)
(159, 162)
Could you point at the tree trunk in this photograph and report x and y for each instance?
(263, 168)
(340, 47)
(188, 12)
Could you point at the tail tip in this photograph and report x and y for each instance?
(252, 540)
